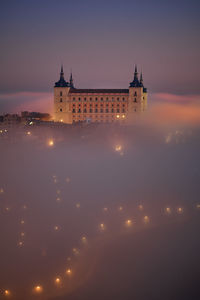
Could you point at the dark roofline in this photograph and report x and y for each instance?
(99, 91)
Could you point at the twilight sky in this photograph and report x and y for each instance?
(100, 41)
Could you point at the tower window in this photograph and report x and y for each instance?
(60, 99)
(135, 100)
(135, 93)
(60, 109)
(79, 99)
(61, 94)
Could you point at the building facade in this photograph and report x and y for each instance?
(98, 105)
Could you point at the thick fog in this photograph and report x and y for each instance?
(102, 211)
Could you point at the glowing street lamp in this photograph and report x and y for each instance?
(38, 289)
(146, 219)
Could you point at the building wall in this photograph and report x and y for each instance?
(99, 107)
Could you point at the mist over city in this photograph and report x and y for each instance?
(99, 150)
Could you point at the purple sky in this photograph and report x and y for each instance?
(101, 41)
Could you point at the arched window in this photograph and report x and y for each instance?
(60, 109)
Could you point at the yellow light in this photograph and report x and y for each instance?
(7, 293)
(118, 148)
(68, 271)
(22, 234)
(123, 116)
(168, 210)
(38, 289)
(57, 280)
(28, 133)
(146, 219)
(117, 116)
(102, 227)
(140, 207)
(20, 244)
(120, 208)
(128, 223)
(56, 228)
(75, 251)
(1, 191)
(84, 239)
(61, 120)
(179, 210)
(198, 206)
(51, 143)
(31, 123)
(22, 222)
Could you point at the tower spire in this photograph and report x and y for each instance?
(61, 82)
(141, 79)
(71, 81)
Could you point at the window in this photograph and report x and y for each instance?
(74, 99)
(123, 110)
(85, 99)
(60, 109)
(96, 110)
(96, 105)
(79, 99)
(90, 99)
(90, 110)
(112, 110)
(118, 110)
(107, 99)
(96, 99)
(101, 110)
(101, 99)
(73, 110)
(135, 100)
(79, 110)
(61, 94)
(117, 105)
(123, 99)
(106, 105)
(60, 99)
(135, 93)
(107, 110)
(117, 99)
(85, 110)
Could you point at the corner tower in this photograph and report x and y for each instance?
(61, 102)
(137, 95)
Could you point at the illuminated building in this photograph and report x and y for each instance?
(98, 105)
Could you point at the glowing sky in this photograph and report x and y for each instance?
(100, 41)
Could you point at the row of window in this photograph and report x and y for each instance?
(97, 110)
(96, 99)
(98, 105)
(135, 99)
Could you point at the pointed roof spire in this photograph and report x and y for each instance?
(61, 82)
(71, 82)
(141, 79)
(135, 82)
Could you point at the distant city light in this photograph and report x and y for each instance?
(38, 289)
(168, 210)
(118, 148)
(146, 219)
(7, 293)
(179, 210)
(68, 271)
(50, 143)
(140, 207)
(57, 280)
(128, 223)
